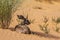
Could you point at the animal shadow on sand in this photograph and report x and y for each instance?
(45, 35)
(12, 29)
(40, 34)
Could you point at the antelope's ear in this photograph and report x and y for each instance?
(27, 16)
(17, 15)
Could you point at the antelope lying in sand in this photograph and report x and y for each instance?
(23, 28)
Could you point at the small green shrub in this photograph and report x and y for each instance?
(7, 8)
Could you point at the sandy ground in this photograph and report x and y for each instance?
(35, 10)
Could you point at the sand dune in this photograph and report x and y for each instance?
(35, 10)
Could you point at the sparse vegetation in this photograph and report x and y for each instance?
(44, 27)
(57, 21)
(7, 8)
(57, 29)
